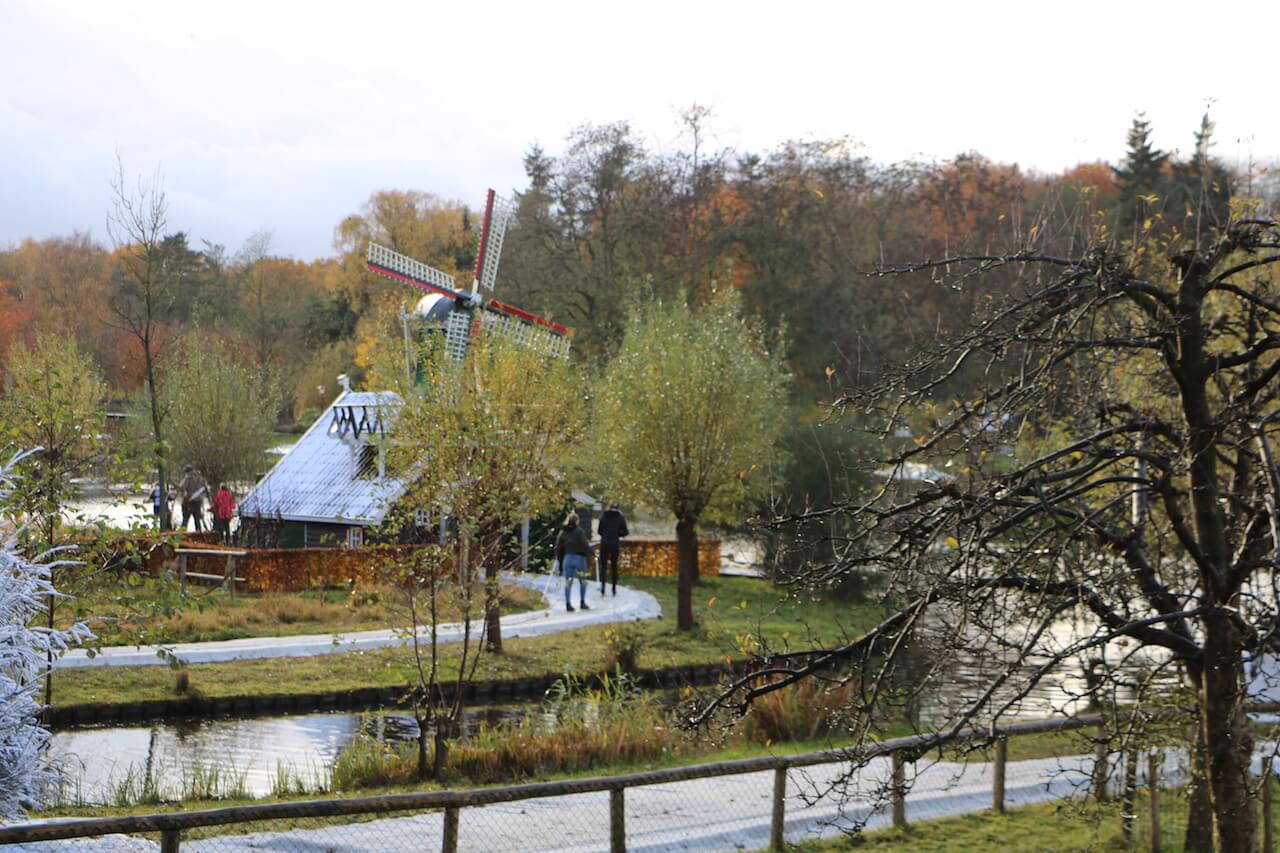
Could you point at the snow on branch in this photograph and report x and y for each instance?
(26, 777)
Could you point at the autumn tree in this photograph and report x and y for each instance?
(687, 417)
(419, 224)
(220, 409)
(64, 284)
(591, 231)
(815, 214)
(275, 296)
(483, 441)
(16, 315)
(1117, 475)
(487, 438)
(53, 400)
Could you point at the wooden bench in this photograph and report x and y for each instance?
(228, 577)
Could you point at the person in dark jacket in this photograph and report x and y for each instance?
(573, 548)
(193, 490)
(611, 527)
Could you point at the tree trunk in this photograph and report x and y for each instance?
(48, 673)
(423, 768)
(492, 607)
(687, 570)
(1199, 835)
(157, 438)
(441, 758)
(1228, 744)
(489, 540)
(50, 604)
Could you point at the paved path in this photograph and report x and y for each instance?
(629, 605)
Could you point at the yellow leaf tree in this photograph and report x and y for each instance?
(688, 417)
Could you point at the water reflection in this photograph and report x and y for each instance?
(102, 764)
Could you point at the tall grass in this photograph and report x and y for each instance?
(289, 781)
(578, 727)
(803, 711)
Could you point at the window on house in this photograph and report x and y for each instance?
(367, 462)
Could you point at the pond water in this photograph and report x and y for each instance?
(252, 754)
(123, 510)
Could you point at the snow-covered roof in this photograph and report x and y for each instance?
(327, 476)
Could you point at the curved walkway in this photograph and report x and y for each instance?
(629, 605)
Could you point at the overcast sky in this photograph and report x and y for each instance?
(286, 116)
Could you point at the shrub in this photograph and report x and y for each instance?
(802, 711)
(623, 646)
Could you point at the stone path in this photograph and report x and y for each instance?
(629, 605)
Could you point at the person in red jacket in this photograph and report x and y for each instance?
(224, 507)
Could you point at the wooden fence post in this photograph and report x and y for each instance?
(182, 573)
(450, 844)
(997, 775)
(1153, 787)
(778, 825)
(899, 792)
(617, 821)
(170, 840)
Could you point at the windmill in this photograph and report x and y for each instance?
(464, 313)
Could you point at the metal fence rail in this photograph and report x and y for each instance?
(170, 828)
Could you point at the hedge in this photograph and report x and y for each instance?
(293, 569)
(658, 557)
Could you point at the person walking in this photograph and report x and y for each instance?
(192, 491)
(157, 505)
(611, 527)
(224, 507)
(572, 550)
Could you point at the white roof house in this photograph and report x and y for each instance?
(335, 474)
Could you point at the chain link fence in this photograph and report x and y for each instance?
(750, 804)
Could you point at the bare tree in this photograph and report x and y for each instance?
(144, 294)
(432, 575)
(1107, 493)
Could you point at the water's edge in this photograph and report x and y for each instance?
(363, 699)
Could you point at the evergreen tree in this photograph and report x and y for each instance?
(1199, 194)
(1141, 176)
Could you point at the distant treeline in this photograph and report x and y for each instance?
(607, 223)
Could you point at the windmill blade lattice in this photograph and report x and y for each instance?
(498, 214)
(392, 264)
(460, 326)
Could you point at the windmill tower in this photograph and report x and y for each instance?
(463, 314)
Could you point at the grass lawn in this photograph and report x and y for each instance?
(1071, 826)
(118, 614)
(728, 610)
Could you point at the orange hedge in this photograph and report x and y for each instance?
(293, 569)
(658, 557)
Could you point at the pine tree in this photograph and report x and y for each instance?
(1199, 195)
(1141, 176)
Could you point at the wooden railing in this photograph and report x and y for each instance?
(901, 750)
